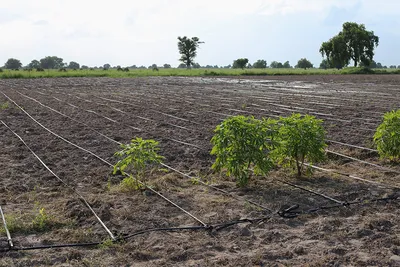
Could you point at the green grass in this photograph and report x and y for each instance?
(12, 74)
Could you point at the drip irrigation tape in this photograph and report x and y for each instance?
(362, 161)
(353, 177)
(103, 160)
(9, 240)
(62, 181)
(313, 192)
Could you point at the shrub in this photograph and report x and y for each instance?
(241, 143)
(39, 69)
(299, 139)
(387, 136)
(137, 156)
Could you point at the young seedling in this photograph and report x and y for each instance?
(241, 143)
(387, 136)
(137, 157)
(299, 139)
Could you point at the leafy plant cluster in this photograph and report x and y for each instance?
(387, 136)
(242, 144)
(137, 158)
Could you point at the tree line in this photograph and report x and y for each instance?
(354, 43)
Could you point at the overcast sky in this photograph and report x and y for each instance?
(143, 32)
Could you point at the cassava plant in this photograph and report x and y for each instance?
(137, 157)
(239, 144)
(299, 139)
(387, 136)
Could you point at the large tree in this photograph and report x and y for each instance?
(304, 64)
(34, 64)
(260, 64)
(13, 63)
(240, 63)
(52, 63)
(188, 49)
(276, 65)
(336, 52)
(73, 65)
(354, 42)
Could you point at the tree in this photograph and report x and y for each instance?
(260, 64)
(52, 63)
(240, 63)
(336, 52)
(73, 65)
(188, 49)
(167, 66)
(304, 64)
(84, 67)
(286, 65)
(182, 66)
(34, 64)
(276, 65)
(106, 66)
(13, 63)
(324, 64)
(392, 67)
(196, 66)
(354, 42)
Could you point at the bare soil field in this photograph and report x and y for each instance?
(75, 125)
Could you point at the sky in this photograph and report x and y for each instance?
(144, 32)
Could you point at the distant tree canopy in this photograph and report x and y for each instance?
(354, 42)
(13, 63)
(106, 66)
(34, 64)
(240, 63)
(167, 66)
(188, 49)
(73, 65)
(52, 63)
(304, 64)
(84, 67)
(286, 65)
(276, 65)
(260, 64)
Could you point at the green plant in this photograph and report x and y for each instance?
(41, 221)
(5, 105)
(137, 156)
(387, 136)
(299, 139)
(239, 144)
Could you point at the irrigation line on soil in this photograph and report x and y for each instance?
(362, 161)
(313, 192)
(98, 157)
(168, 167)
(349, 145)
(353, 177)
(58, 178)
(9, 240)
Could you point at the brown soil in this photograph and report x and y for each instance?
(181, 114)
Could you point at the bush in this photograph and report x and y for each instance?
(387, 136)
(299, 139)
(241, 143)
(139, 155)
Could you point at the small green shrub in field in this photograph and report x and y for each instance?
(137, 157)
(41, 221)
(241, 143)
(387, 136)
(299, 139)
(4, 105)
